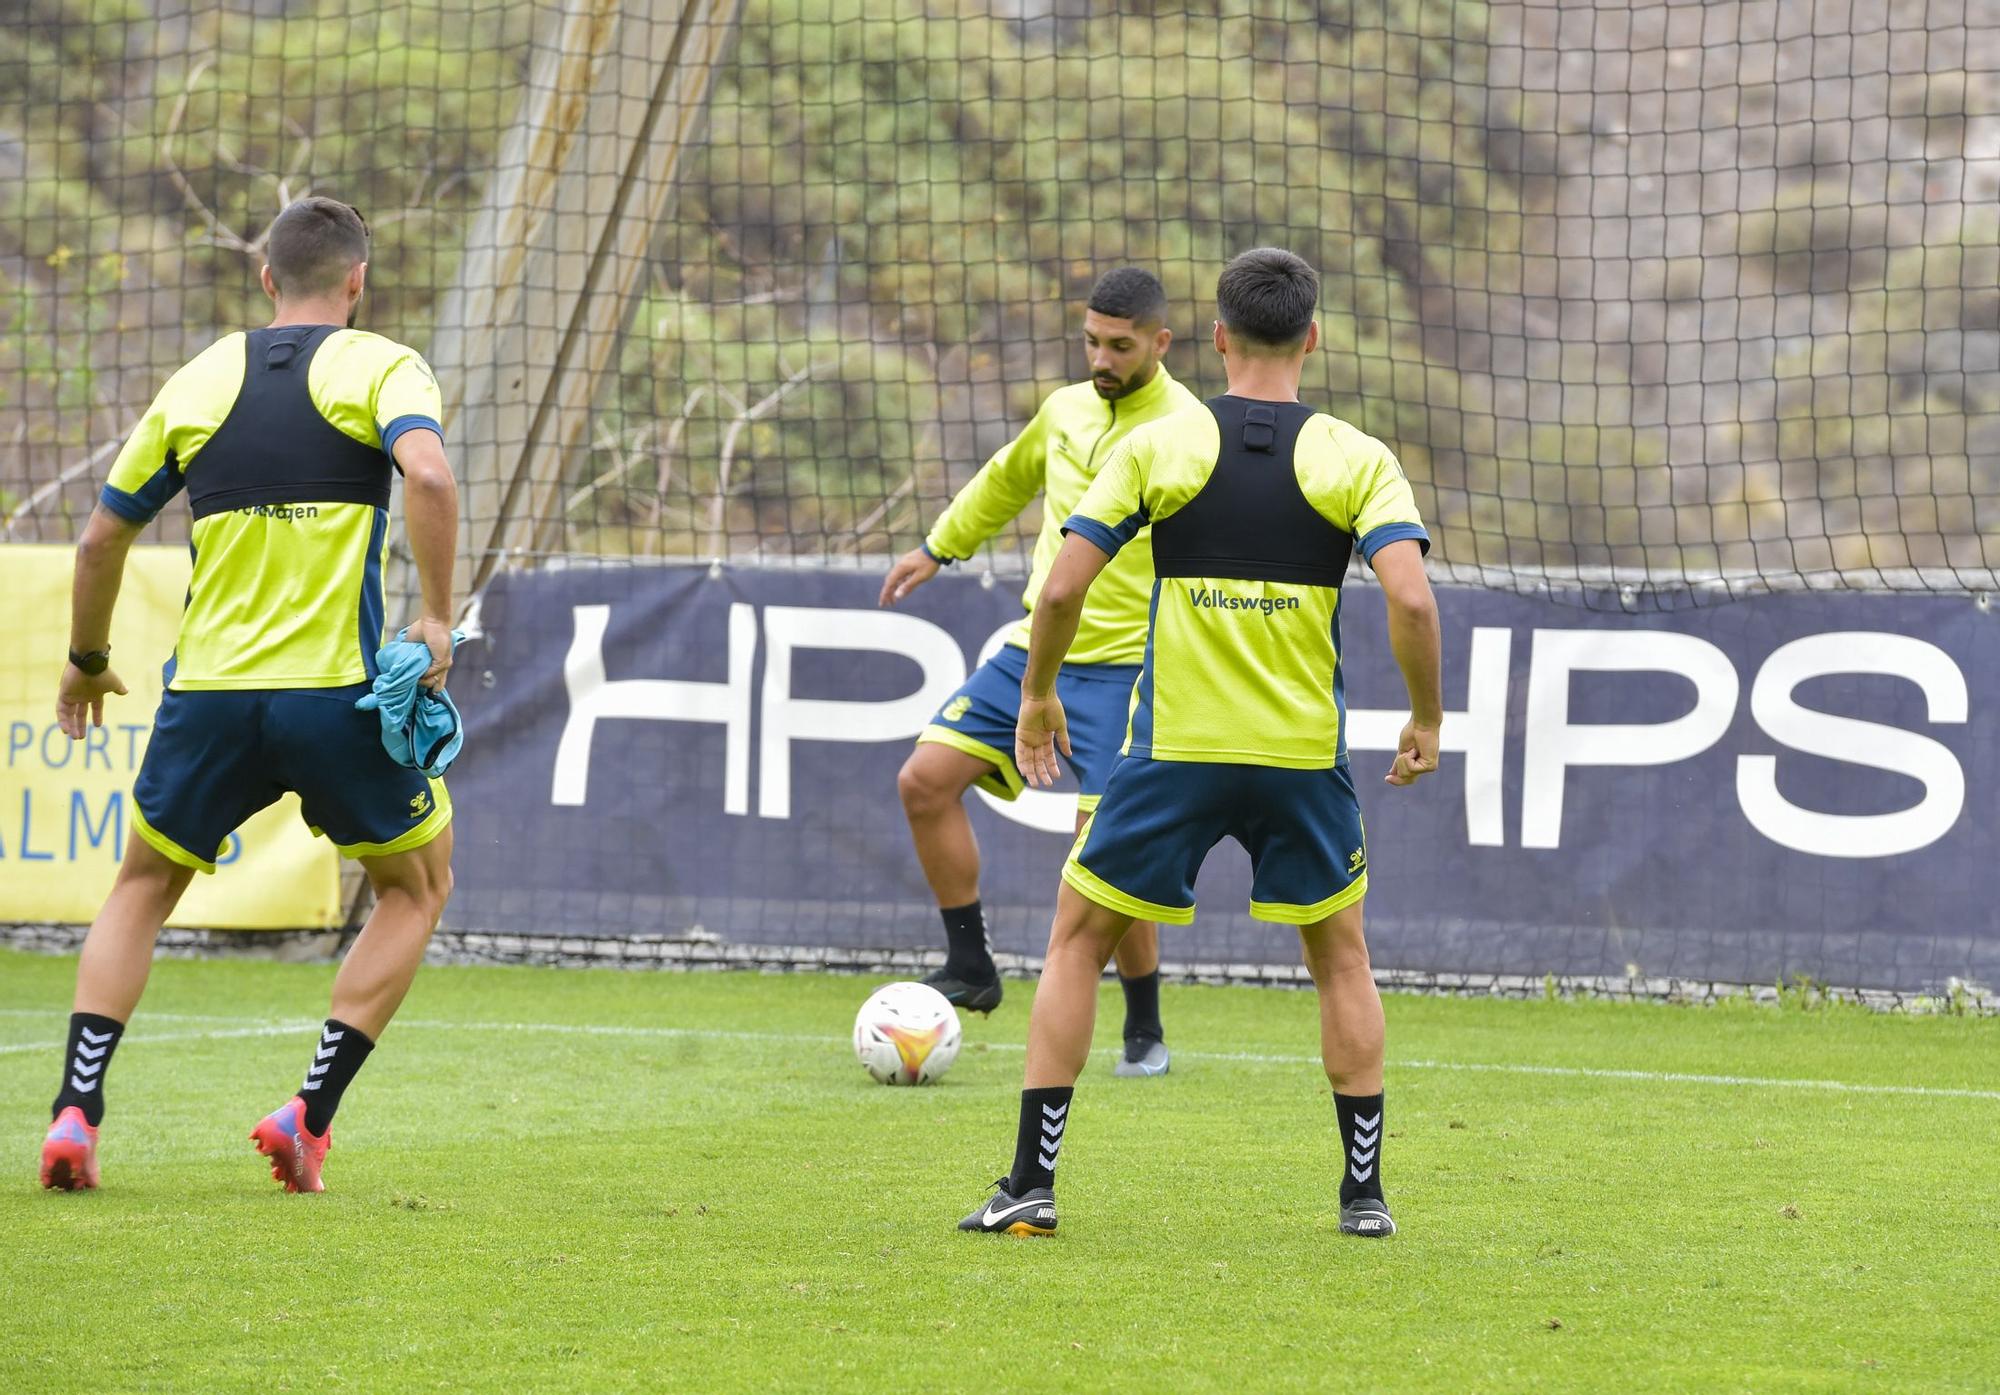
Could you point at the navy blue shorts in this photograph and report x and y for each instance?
(217, 757)
(979, 720)
(1302, 828)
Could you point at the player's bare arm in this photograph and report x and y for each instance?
(1042, 728)
(430, 507)
(1413, 637)
(910, 571)
(100, 570)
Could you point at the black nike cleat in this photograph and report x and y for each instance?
(976, 995)
(1367, 1216)
(1031, 1213)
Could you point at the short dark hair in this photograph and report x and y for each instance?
(314, 244)
(1129, 293)
(1267, 296)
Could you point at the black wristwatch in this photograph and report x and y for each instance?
(93, 663)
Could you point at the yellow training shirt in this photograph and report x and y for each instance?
(1059, 454)
(1255, 508)
(282, 439)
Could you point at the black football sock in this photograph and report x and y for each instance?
(92, 1039)
(342, 1049)
(1142, 1007)
(968, 956)
(1044, 1115)
(1361, 1140)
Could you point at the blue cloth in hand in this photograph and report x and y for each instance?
(420, 726)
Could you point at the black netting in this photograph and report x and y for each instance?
(1655, 294)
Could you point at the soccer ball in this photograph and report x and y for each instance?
(906, 1034)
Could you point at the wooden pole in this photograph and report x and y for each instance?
(555, 257)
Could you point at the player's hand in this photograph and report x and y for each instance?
(436, 634)
(1042, 730)
(80, 699)
(1416, 754)
(912, 570)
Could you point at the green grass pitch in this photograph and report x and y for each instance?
(585, 1181)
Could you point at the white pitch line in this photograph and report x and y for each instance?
(1651, 1077)
(1674, 1077)
(273, 1029)
(1257, 1058)
(151, 1016)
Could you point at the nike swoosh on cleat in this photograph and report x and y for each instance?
(993, 1217)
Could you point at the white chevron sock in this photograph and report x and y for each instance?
(341, 1051)
(1361, 1139)
(1044, 1119)
(92, 1039)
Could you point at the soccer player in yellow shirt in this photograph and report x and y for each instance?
(1256, 504)
(971, 740)
(283, 439)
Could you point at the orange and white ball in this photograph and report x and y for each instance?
(906, 1034)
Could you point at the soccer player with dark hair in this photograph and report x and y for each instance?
(1256, 504)
(971, 740)
(283, 439)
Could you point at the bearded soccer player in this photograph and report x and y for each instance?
(971, 740)
(283, 439)
(1256, 503)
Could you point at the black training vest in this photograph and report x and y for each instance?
(274, 447)
(1251, 521)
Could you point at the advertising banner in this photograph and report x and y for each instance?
(1744, 792)
(65, 806)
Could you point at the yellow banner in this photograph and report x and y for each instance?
(66, 806)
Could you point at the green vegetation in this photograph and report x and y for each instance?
(1601, 324)
(619, 1181)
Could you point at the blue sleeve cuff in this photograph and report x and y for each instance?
(934, 555)
(127, 506)
(393, 432)
(1108, 540)
(143, 505)
(1379, 538)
